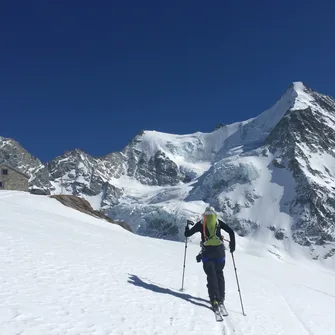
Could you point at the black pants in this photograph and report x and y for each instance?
(215, 280)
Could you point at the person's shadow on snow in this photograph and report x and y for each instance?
(135, 280)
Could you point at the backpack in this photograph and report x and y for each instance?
(210, 226)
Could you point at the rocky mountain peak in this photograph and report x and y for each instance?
(13, 154)
(276, 170)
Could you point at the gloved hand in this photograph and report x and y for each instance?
(189, 222)
(199, 257)
(186, 230)
(232, 247)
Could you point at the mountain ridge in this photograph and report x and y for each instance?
(262, 175)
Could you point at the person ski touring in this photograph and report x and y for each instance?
(213, 254)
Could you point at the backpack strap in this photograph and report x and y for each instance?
(204, 228)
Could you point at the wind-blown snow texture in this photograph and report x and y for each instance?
(271, 177)
(64, 272)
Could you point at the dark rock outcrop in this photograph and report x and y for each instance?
(84, 206)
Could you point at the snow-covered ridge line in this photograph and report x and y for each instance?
(270, 177)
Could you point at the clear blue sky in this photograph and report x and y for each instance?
(92, 74)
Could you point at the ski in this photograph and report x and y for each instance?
(223, 310)
(218, 316)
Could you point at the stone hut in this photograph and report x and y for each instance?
(12, 179)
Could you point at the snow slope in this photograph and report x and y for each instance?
(63, 272)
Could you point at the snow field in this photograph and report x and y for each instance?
(63, 272)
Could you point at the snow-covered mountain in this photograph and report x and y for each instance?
(270, 177)
(67, 273)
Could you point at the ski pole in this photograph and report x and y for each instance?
(182, 282)
(238, 285)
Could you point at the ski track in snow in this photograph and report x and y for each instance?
(294, 313)
(65, 273)
(5, 194)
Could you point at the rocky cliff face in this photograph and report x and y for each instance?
(14, 155)
(305, 140)
(271, 177)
